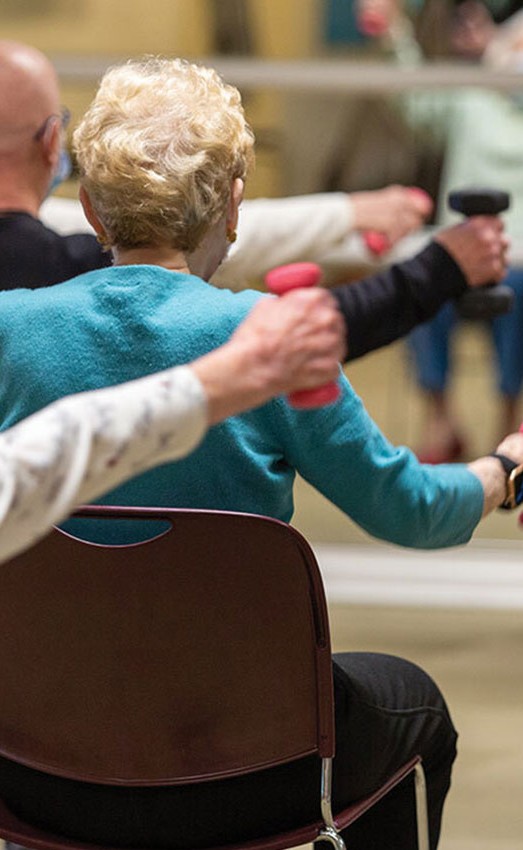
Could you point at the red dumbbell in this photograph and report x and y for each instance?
(373, 24)
(279, 281)
(377, 243)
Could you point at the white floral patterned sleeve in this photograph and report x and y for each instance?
(84, 445)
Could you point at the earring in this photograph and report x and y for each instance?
(231, 235)
(103, 241)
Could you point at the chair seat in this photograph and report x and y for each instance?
(12, 828)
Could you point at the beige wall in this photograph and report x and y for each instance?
(123, 28)
(284, 28)
(108, 26)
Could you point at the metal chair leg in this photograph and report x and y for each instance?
(329, 834)
(422, 820)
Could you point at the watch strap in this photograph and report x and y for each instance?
(507, 464)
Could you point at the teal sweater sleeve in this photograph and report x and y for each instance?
(383, 488)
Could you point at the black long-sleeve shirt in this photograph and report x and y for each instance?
(385, 306)
(32, 255)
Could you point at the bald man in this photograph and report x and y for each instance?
(31, 140)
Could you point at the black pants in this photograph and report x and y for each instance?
(387, 710)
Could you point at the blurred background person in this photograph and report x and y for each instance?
(483, 146)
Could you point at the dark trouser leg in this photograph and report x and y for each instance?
(388, 710)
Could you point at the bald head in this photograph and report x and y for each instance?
(28, 94)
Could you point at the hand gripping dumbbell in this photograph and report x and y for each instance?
(494, 299)
(378, 243)
(279, 281)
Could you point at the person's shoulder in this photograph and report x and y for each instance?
(18, 225)
(38, 298)
(242, 299)
(33, 256)
(225, 301)
(234, 307)
(24, 229)
(24, 224)
(74, 252)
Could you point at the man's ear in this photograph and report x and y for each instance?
(235, 200)
(90, 214)
(51, 144)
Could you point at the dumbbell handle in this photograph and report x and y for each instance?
(494, 299)
(372, 24)
(279, 281)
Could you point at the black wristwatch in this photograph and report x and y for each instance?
(514, 473)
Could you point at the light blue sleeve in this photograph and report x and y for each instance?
(383, 488)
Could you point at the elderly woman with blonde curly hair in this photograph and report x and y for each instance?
(163, 169)
(163, 154)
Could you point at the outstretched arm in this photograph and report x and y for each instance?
(385, 306)
(276, 231)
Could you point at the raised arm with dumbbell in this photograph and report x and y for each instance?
(495, 299)
(431, 343)
(385, 306)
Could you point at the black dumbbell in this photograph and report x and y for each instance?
(495, 299)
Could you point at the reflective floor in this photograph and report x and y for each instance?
(477, 659)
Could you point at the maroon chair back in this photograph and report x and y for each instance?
(202, 653)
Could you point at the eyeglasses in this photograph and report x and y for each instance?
(64, 117)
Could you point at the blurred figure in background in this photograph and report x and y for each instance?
(483, 147)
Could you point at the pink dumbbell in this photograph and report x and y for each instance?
(372, 24)
(279, 281)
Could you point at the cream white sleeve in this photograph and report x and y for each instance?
(273, 231)
(82, 446)
(64, 215)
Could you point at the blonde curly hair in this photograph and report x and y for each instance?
(158, 150)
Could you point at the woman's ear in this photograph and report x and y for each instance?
(235, 200)
(90, 214)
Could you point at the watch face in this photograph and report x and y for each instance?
(515, 487)
(518, 487)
